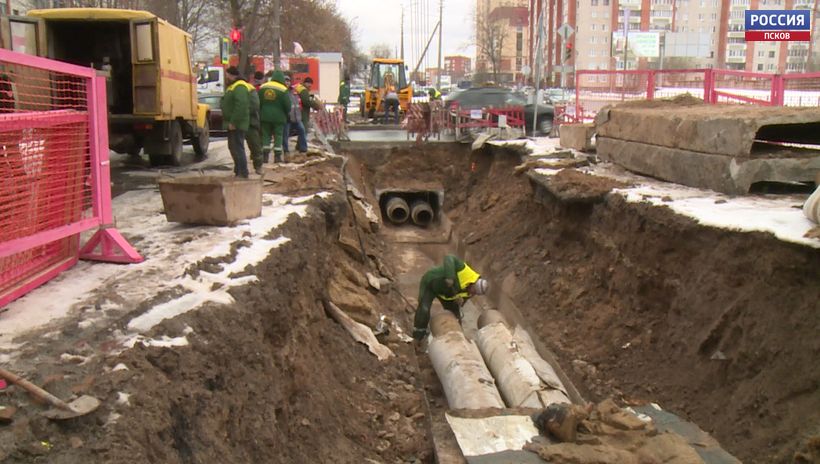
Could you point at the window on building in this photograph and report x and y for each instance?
(771, 67)
(594, 14)
(761, 53)
(760, 67)
(603, 27)
(771, 54)
(594, 26)
(606, 2)
(594, 2)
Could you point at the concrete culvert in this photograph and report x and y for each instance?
(397, 210)
(422, 213)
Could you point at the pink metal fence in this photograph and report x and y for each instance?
(55, 172)
(331, 121)
(595, 89)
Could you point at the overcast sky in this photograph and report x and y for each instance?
(379, 22)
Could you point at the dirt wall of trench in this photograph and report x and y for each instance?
(644, 305)
(271, 378)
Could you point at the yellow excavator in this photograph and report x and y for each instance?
(385, 72)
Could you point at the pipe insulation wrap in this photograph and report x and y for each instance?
(512, 359)
(812, 206)
(422, 213)
(465, 378)
(397, 210)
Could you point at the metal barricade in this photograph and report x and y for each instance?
(332, 122)
(55, 172)
(743, 87)
(799, 89)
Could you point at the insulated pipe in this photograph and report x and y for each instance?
(421, 213)
(397, 210)
(466, 381)
(524, 378)
(812, 206)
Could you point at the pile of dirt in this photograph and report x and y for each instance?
(271, 378)
(717, 326)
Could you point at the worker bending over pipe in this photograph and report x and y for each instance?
(453, 283)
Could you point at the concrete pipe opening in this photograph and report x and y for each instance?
(397, 210)
(422, 213)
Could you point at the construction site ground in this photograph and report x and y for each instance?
(219, 347)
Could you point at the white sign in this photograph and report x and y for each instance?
(476, 114)
(502, 121)
(565, 31)
(646, 44)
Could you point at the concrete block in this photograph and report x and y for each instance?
(727, 174)
(577, 136)
(719, 129)
(211, 200)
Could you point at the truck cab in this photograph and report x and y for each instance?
(147, 63)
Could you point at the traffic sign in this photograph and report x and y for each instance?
(565, 31)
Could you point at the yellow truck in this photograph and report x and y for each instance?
(148, 64)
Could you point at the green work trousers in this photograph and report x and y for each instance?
(253, 137)
(273, 130)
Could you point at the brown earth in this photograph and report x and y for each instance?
(717, 326)
(269, 379)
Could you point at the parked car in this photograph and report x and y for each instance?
(214, 101)
(499, 97)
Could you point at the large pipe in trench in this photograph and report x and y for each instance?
(422, 213)
(467, 382)
(524, 378)
(397, 210)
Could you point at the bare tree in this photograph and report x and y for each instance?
(490, 37)
(381, 51)
(196, 17)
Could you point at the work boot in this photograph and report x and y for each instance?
(277, 158)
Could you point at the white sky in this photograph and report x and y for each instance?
(379, 22)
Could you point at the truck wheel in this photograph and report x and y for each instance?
(178, 155)
(201, 141)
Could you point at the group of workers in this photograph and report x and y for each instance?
(263, 113)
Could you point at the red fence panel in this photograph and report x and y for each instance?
(800, 89)
(595, 89)
(743, 87)
(54, 171)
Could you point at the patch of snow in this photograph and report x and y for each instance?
(169, 249)
(123, 399)
(119, 367)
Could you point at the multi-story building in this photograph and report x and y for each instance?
(691, 34)
(502, 40)
(457, 67)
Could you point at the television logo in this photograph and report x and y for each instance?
(778, 25)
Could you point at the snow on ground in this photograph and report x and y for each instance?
(780, 215)
(102, 290)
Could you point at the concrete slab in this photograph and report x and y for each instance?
(718, 129)
(577, 136)
(726, 174)
(211, 200)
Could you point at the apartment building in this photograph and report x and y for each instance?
(502, 36)
(689, 34)
(457, 67)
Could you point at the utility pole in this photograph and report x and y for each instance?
(277, 35)
(402, 33)
(539, 65)
(440, 15)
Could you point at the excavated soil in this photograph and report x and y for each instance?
(637, 302)
(644, 305)
(271, 378)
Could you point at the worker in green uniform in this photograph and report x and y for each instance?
(236, 119)
(452, 283)
(254, 133)
(434, 94)
(303, 90)
(344, 95)
(274, 108)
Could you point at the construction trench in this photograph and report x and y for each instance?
(604, 300)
